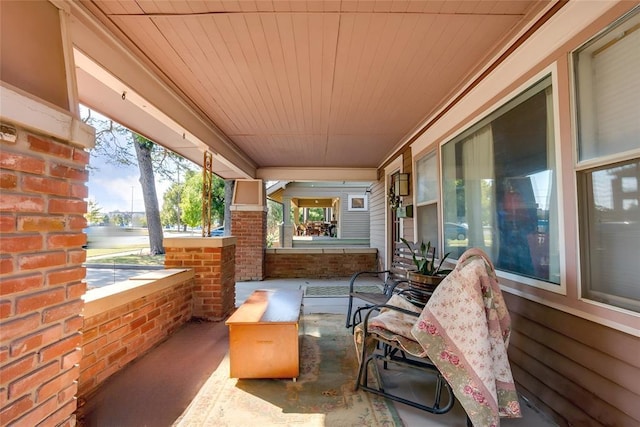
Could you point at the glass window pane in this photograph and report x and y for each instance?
(499, 188)
(610, 224)
(427, 179)
(608, 92)
(427, 217)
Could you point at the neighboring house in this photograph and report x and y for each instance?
(345, 213)
(536, 153)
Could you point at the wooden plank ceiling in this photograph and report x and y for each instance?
(317, 83)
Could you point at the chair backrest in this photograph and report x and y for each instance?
(402, 262)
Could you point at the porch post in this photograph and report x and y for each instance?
(249, 226)
(287, 228)
(43, 161)
(213, 262)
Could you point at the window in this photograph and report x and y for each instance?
(358, 203)
(608, 92)
(499, 188)
(608, 176)
(427, 194)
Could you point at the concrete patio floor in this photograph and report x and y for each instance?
(155, 390)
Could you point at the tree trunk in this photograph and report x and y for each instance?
(228, 195)
(148, 183)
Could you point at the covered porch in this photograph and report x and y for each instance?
(158, 388)
(303, 90)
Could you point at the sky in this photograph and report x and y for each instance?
(115, 187)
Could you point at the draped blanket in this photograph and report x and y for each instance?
(393, 326)
(464, 330)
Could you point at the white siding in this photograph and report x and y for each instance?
(377, 208)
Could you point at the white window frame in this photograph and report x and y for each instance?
(552, 72)
(583, 167)
(433, 202)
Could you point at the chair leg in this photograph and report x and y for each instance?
(437, 406)
(357, 318)
(348, 322)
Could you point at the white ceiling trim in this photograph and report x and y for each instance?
(126, 73)
(317, 174)
(21, 108)
(129, 95)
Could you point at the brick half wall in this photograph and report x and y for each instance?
(124, 320)
(318, 263)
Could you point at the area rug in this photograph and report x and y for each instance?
(323, 394)
(337, 291)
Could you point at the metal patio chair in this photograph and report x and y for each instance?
(459, 339)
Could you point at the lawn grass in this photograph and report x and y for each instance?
(92, 252)
(130, 259)
(130, 255)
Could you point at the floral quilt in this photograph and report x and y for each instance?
(393, 326)
(464, 329)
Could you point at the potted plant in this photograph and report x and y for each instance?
(427, 274)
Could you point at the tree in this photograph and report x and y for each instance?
(191, 199)
(114, 141)
(94, 214)
(274, 219)
(170, 213)
(316, 214)
(218, 199)
(144, 148)
(229, 185)
(118, 219)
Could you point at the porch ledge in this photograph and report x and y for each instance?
(102, 299)
(291, 251)
(199, 242)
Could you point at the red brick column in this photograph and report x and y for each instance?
(213, 261)
(42, 181)
(249, 226)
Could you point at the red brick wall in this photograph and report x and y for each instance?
(115, 337)
(250, 228)
(214, 283)
(41, 278)
(317, 263)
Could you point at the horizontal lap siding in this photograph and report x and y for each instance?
(354, 225)
(376, 222)
(583, 372)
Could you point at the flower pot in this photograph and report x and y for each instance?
(422, 286)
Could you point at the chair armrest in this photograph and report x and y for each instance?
(364, 325)
(391, 288)
(409, 295)
(358, 274)
(379, 307)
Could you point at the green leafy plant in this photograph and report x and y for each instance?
(425, 259)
